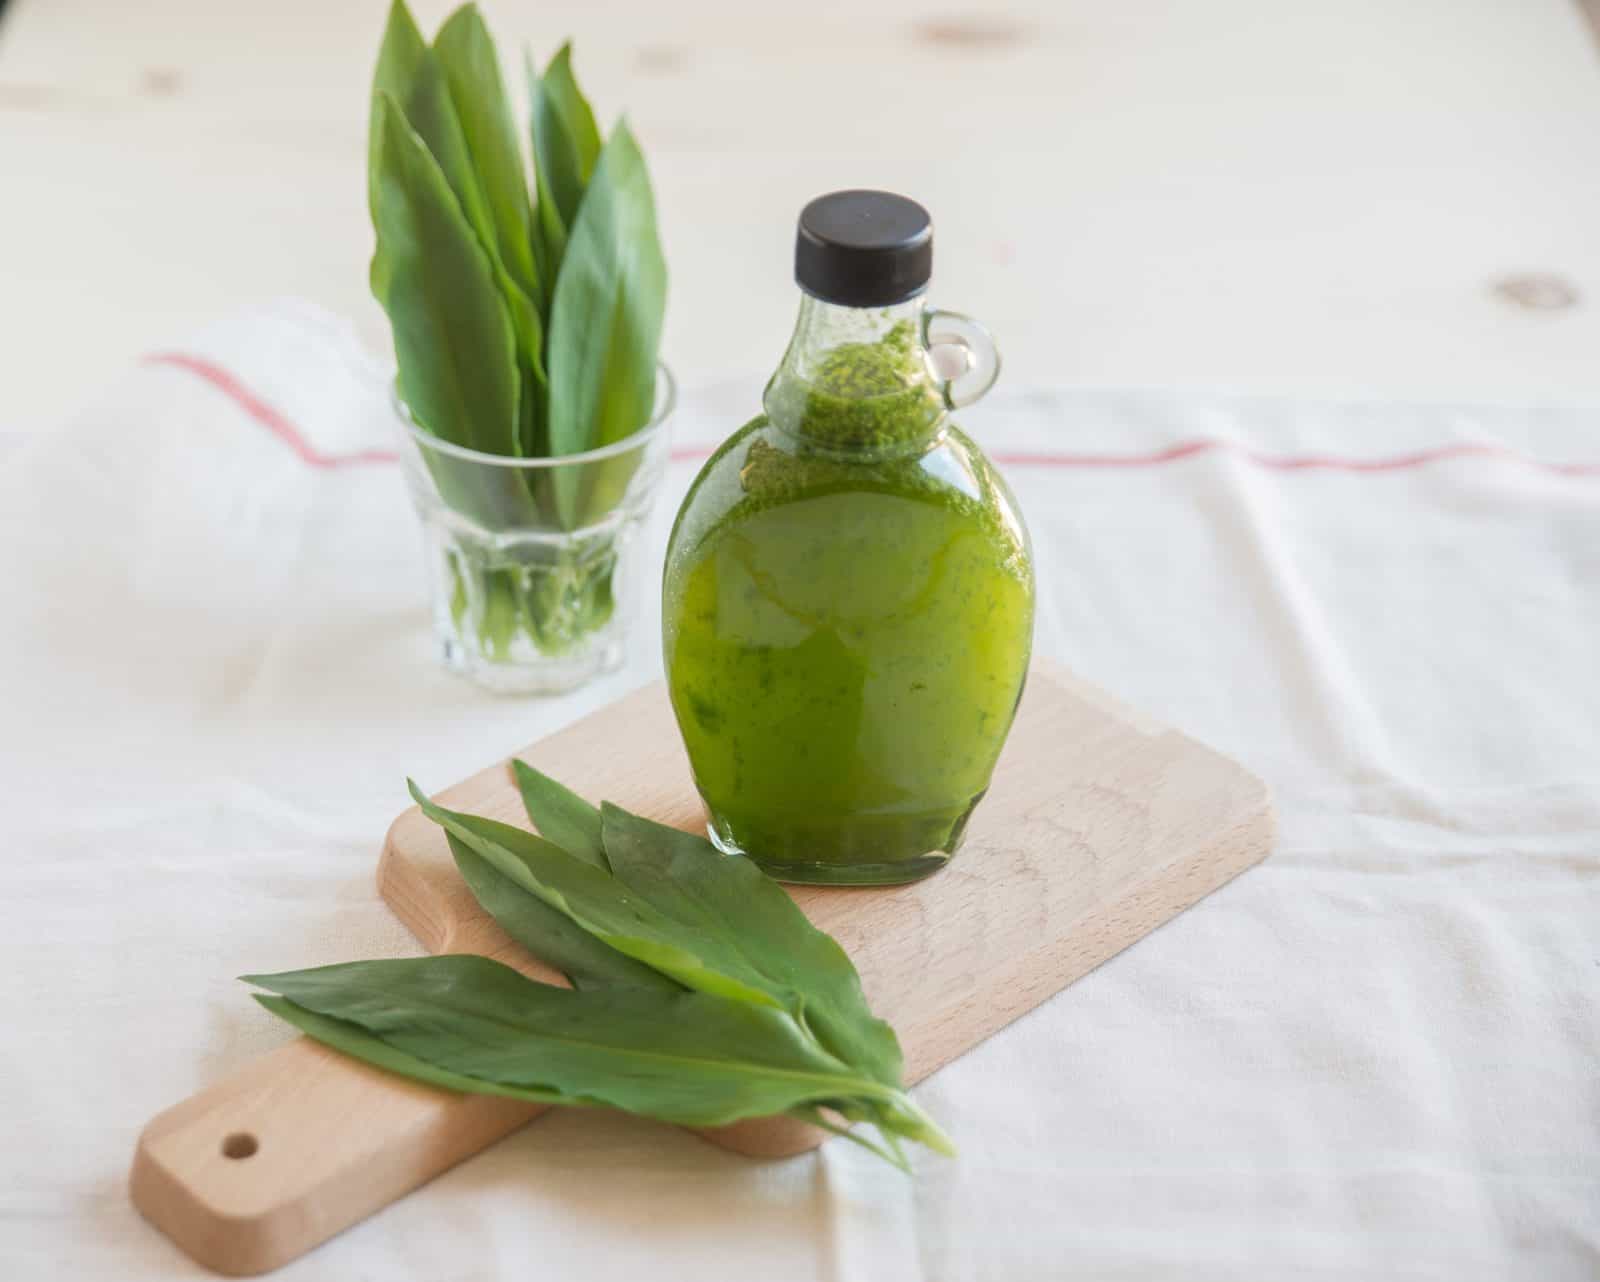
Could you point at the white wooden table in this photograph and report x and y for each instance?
(1251, 194)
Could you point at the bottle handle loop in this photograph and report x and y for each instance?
(952, 336)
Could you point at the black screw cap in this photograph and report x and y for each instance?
(863, 248)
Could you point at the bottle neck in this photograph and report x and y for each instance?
(858, 381)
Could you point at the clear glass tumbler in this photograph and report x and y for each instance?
(533, 562)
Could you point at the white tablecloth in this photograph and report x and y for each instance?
(1377, 1055)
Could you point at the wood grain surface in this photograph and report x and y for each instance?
(1291, 199)
(1100, 826)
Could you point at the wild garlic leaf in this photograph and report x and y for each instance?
(689, 1058)
(355, 1041)
(888, 1151)
(562, 82)
(467, 53)
(566, 139)
(454, 341)
(398, 58)
(566, 145)
(431, 111)
(685, 877)
(607, 909)
(560, 814)
(605, 326)
(605, 317)
(548, 934)
(549, 231)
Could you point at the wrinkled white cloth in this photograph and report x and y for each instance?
(1375, 1056)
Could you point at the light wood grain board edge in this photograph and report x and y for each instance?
(1033, 978)
(331, 1141)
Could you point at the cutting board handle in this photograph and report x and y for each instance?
(297, 1146)
(302, 1143)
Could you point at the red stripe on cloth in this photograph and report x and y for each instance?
(269, 416)
(284, 429)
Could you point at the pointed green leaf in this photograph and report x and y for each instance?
(549, 232)
(398, 58)
(549, 239)
(454, 342)
(687, 878)
(889, 1151)
(602, 906)
(549, 935)
(605, 327)
(689, 1058)
(353, 1040)
(431, 109)
(566, 140)
(562, 83)
(472, 67)
(431, 112)
(605, 319)
(560, 814)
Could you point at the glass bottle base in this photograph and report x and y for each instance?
(900, 871)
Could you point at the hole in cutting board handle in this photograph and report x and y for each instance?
(240, 1144)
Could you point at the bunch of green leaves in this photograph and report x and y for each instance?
(700, 993)
(526, 318)
(525, 324)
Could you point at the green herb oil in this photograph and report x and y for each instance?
(848, 615)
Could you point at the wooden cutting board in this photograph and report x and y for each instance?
(1100, 826)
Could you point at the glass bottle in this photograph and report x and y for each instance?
(848, 595)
